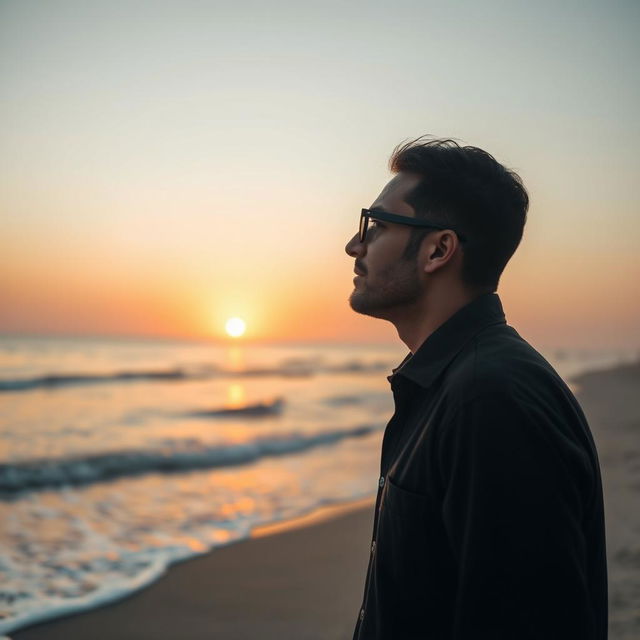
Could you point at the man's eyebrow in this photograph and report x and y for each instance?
(379, 210)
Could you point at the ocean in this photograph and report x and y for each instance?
(120, 456)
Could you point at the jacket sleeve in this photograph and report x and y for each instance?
(512, 511)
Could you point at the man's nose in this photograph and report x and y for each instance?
(354, 247)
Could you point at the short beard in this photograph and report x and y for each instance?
(401, 288)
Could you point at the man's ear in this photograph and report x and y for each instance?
(438, 249)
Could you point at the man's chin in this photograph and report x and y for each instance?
(356, 302)
(361, 303)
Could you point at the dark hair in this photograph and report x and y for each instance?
(467, 189)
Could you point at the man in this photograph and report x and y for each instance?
(489, 520)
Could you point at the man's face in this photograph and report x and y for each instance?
(386, 281)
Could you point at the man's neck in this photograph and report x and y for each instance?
(419, 322)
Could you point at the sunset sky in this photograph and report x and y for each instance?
(167, 165)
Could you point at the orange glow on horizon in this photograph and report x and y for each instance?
(561, 298)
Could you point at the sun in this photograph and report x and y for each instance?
(235, 327)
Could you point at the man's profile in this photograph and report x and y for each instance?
(489, 518)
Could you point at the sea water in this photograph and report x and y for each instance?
(121, 456)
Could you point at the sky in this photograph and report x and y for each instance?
(167, 165)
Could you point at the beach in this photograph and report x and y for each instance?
(305, 579)
(610, 400)
(216, 240)
(304, 583)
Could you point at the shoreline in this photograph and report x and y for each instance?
(280, 573)
(315, 515)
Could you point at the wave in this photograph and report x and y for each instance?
(357, 366)
(256, 410)
(342, 401)
(176, 456)
(286, 369)
(55, 380)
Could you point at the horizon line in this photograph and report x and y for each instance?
(231, 342)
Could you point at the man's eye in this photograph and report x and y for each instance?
(376, 224)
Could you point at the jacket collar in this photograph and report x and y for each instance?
(437, 351)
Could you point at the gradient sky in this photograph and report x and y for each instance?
(166, 165)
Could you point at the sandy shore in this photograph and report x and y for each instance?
(304, 582)
(301, 581)
(611, 402)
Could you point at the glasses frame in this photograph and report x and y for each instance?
(366, 214)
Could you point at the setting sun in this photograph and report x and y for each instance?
(235, 327)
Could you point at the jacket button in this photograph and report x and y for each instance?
(361, 614)
(381, 481)
(373, 546)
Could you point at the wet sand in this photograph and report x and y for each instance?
(299, 581)
(304, 581)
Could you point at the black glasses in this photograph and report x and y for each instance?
(393, 217)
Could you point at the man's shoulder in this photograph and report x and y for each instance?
(499, 361)
(499, 379)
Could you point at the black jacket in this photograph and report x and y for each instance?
(489, 520)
